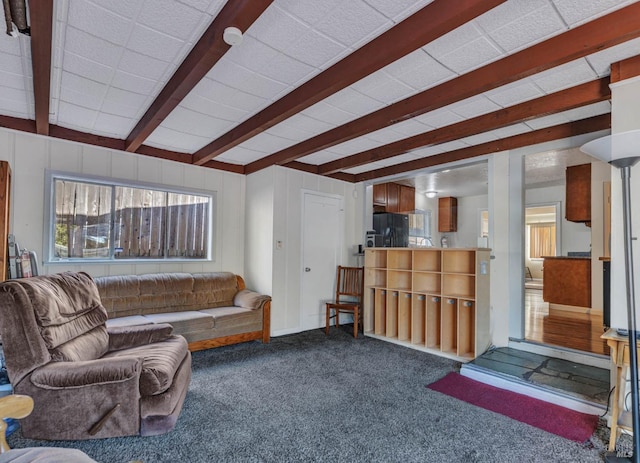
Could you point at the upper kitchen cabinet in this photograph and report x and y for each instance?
(393, 197)
(578, 194)
(447, 214)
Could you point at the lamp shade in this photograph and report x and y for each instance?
(431, 194)
(614, 147)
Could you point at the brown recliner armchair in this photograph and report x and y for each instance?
(88, 381)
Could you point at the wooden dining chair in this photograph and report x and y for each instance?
(349, 289)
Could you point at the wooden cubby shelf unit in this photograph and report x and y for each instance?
(431, 299)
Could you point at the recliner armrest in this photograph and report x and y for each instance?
(250, 299)
(62, 375)
(126, 337)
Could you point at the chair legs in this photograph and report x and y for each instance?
(336, 315)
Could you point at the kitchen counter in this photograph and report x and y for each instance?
(567, 280)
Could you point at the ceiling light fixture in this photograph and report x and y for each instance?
(232, 36)
(431, 194)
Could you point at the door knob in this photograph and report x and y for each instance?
(307, 269)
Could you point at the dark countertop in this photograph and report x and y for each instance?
(567, 257)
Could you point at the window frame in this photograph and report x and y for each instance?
(50, 219)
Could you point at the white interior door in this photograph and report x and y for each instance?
(321, 244)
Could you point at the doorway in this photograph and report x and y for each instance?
(322, 226)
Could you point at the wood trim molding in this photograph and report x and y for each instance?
(41, 16)
(625, 69)
(557, 132)
(204, 55)
(424, 26)
(580, 95)
(601, 33)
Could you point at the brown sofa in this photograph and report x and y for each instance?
(87, 380)
(208, 309)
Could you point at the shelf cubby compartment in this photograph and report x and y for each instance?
(380, 311)
(399, 280)
(459, 286)
(459, 261)
(376, 277)
(404, 316)
(399, 259)
(427, 260)
(369, 304)
(426, 282)
(466, 328)
(418, 319)
(449, 330)
(392, 314)
(375, 258)
(433, 321)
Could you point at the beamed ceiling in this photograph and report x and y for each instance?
(352, 89)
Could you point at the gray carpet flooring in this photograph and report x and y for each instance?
(311, 398)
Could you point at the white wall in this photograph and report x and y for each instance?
(469, 221)
(287, 186)
(29, 155)
(625, 101)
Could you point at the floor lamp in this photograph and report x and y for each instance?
(622, 150)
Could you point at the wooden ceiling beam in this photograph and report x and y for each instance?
(625, 69)
(41, 18)
(204, 55)
(615, 28)
(557, 132)
(580, 95)
(424, 26)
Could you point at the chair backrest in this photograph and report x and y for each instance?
(349, 283)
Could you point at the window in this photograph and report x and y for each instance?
(542, 240)
(95, 219)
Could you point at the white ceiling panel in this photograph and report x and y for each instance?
(231, 74)
(383, 88)
(354, 146)
(194, 123)
(144, 66)
(211, 108)
(11, 80)
(439, 118)
(321, 157)
(410, 127)
(419, 70)
(326, 113)
(354, 102)
(339, 23)
(176, 141)
(474, 106)
(527, 29)
(228, 96)
(87, 68)
(398, 10)
(134, 83)
(289, 30)
(565, 76)
(511, 130)
(601, 61)
(514, 93)
(267, 143)
(575, 12)
(126, 8)
(84, 100)
(113, 126)
(240, 155)
(471, 56)
(407, 157)
(91, 47)
(172, 18)
(71, 115)
(14, 108)
(155, 44)
(93, 19)
(316, 49)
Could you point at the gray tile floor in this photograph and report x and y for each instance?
(581, 381)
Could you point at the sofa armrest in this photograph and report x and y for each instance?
(126, 337)
(63, 375)
(250, 299)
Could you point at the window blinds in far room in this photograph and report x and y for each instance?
(542, 240)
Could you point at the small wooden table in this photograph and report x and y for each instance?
(620, 419)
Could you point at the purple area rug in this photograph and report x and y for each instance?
(552, 418)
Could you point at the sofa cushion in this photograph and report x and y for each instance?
(234, 320)
(184, 322)
(214, 289)
(160, 361)
(132, 320)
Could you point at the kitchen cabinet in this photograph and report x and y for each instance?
(567, 281)
(447, 214)
(5, 200)
(435, 300)
(578, 194)
(393, 197)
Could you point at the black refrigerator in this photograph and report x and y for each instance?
(394, 229)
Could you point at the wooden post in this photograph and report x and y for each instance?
(5, 205)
